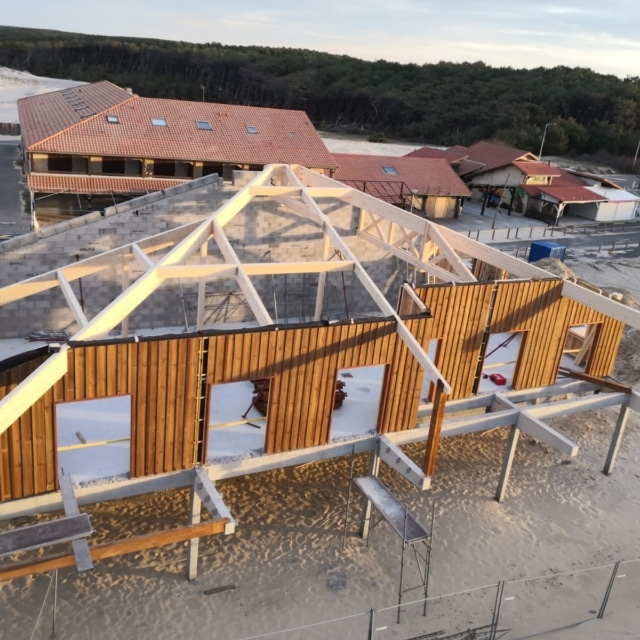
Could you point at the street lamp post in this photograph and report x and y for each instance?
(635, 158)
(544, 135)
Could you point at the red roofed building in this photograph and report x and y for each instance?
(418, 184)
(98, 138)
(500, 175)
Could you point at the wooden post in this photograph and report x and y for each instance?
(439, 400)
(507, 464)
(195, 507)
(616, 440)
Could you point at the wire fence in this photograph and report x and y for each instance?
(541, 232)
(512, 610)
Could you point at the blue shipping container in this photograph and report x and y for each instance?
(543, 249)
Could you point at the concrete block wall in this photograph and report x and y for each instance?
(264, 231)
(58, 245)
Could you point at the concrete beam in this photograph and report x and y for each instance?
(400, 462)
(577, 405)
(540, 431)
(80, 547)
(211, 499)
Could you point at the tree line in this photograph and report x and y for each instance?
(444, 103)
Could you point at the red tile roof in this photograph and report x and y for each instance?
(282, 136)
(450, 155)
(493, 155)
(428, 176)
(537, 169)
(50, 113)
(565, 193)
(56, 183)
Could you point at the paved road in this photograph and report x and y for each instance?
(13, 217)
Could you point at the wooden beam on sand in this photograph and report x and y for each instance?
(113, 549)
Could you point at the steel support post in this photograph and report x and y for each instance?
(509, 455)
(616, 440)
(195, 508)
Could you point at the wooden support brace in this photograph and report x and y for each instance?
(435, 426)
(113, 549)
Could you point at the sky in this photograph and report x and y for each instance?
(604, 36)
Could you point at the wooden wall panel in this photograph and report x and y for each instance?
(459, 320)
(303, 365)
(163, 376)
(26, 448)
(605, 348)
(534, 308)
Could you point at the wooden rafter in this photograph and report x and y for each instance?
(253, 299)
(414, 346)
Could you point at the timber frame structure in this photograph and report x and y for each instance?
(461, 292)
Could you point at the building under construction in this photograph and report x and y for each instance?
(222, 324)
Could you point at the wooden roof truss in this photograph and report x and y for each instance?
(182, 253)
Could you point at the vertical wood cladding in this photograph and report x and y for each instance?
(303, 365)
(27, 448)
(161, 376)
(537, 309)
(459, 319)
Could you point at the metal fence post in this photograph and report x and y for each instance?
(496, 611)
(370, 634)
(603, 606)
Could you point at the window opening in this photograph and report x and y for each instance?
(93, 438)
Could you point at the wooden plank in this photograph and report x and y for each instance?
(319, 379)
(116, 368)
(140, 352)
(151, 425)
(308, 415)
(105, 550)
(172, 439)
(160, 426)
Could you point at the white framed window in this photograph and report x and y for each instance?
(203, 125)
(389, 170)
(113, 119)
(252, 129)
(159, 122)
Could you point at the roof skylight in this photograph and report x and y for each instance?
(159, 122)
(390, 171)
(251, 129)
(113, 119)
(205, 125)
